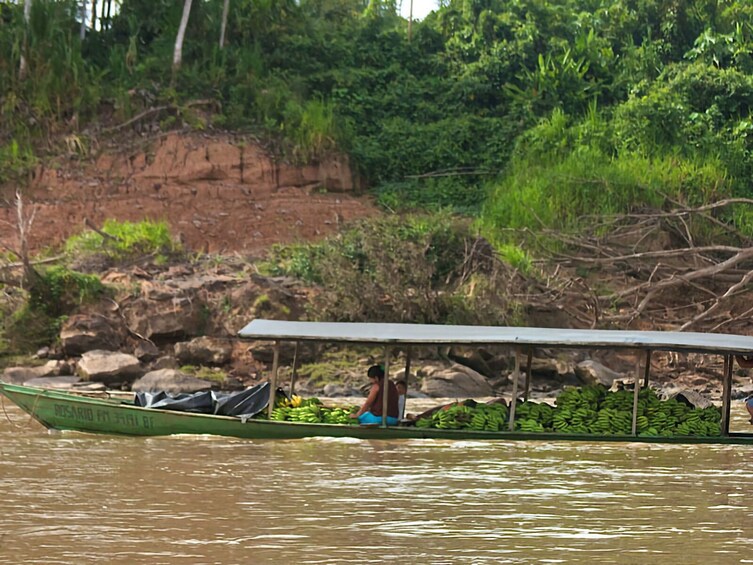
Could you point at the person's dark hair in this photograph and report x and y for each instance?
(401, 382)
(376, 371)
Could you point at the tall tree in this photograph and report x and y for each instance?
(27, 17)
(107, 14)
(82, 29)
(223, 26)
(178, 52)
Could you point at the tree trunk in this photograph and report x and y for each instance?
(27, 17)
(94, 14)
(178, 53)
(223, 26)
(410, 21)
(82, 29)
(107, 14)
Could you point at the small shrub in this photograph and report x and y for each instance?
(516, 257)
(126, 240)
(211, 374)
(59, 290)
(28, 329)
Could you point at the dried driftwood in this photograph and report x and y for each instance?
(654, 268)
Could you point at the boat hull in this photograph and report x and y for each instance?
(65, 411)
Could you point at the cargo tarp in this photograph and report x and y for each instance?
(245, 403)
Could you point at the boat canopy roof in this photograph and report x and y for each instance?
(426, 334)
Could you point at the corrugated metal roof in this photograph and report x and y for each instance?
(424, 334)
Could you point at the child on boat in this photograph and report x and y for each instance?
(746, 362)
(402, 390)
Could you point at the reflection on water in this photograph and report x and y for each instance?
(76, 498)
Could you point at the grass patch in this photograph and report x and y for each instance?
(211, 374)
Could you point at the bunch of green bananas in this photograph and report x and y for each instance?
(582, 411)
(488, 417)
(280, 413)
(338, 416)
(528, 425)
(311, 411)
(310, 414)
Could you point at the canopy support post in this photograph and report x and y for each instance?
(273, 378)
(514, 399)
(636, 390)
(385, 386)
(726, 394)
(647, 369)
(529, 361)
(295, 369)
(407, 378)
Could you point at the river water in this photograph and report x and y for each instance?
(77, 498)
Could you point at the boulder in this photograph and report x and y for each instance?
(455, 382)
(473, 358)
(19, 375)
(165, 314)
(204, 351)
(333, 390)
(108, 367)
(690, 397)
(82, 333)
(591, 373)
(22, 375)
(164, 362)
(171, 381)
(54, 382)
(146, 351)
(550, 367)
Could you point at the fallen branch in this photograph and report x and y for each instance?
(730, 292)
(104, 235)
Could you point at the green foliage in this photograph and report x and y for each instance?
(52, 295)
(566, 194)
(16, 160)
(124, 240)
(59, 290)
(568, 89)
(429, 269)
(312, 129)
(211, 374)
(28, 329)
(334, 366)
(516, 257)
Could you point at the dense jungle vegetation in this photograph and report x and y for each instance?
(511, 109)
(520, 114)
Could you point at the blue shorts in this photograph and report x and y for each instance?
(369, 418)
(749, 402)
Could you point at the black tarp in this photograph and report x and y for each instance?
(246, 403)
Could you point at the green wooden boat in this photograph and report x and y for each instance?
(69, 411)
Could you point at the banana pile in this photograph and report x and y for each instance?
(310, 411)
(488, 417)
(586, 410)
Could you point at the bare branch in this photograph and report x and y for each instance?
(730, 292)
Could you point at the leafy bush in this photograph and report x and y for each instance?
(26, 330)
(52, 295)
(59, 290)
(426, 269)
(124, 240)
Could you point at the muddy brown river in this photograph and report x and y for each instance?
(76, 498)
